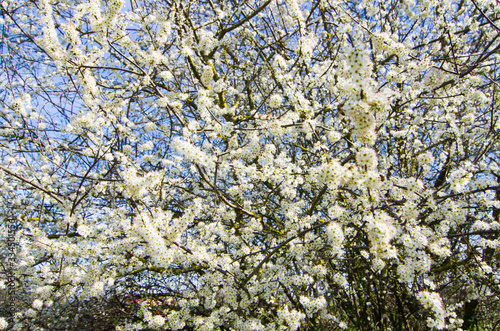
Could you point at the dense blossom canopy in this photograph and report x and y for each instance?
(250, 165)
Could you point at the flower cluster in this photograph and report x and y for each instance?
(192, 152)
(275, 101)
(367, 157)
(335, 236)
(292, 317)
(333, 174)
(425, 158)
(380, 232)
(459, 179)
(207, 75)
(432, 301)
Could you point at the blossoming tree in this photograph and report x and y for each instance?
(254, 165)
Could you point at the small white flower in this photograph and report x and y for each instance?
(146, 147)
(458, 179)
(156, 322)
(275, 101)
(334, 136)
(366, 157)
(207, 75)
(37, 304)
(335, 235)
(150, 126)
(279, 61)
(97, 289)
(3, 323)
(84, 230)
(425, 158)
